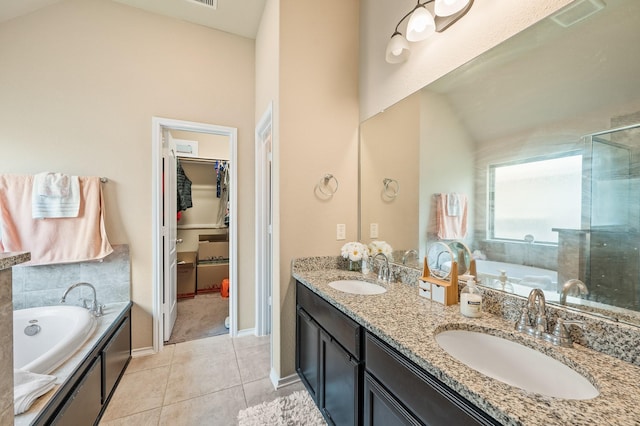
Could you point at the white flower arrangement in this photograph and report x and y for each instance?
(383, 247)
(354, 251)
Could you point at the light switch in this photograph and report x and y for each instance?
(341, 231)
(373, 230)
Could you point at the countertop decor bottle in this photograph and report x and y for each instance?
(503, 283)
(471, 300)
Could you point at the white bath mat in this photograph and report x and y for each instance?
(295, 409)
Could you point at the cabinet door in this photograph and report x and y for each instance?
(115, 357)
(381, 408)
(84, 405)
(339, 375)
(308, 352)
(428, 399)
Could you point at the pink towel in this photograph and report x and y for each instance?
(59, 240)
(451, 227)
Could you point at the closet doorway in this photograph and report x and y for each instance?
(202, 228)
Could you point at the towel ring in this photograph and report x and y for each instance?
(391, 188)
(324, 182)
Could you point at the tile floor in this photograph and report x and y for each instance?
(200, 382)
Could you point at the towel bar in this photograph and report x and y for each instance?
(324, 182)
(391, 188)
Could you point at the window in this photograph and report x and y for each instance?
(534, 196)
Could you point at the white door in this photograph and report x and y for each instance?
(264, 225)
(169, 225)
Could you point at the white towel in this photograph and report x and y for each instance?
(453, 205)
(27, 387)
(51, 184)
(50, 205)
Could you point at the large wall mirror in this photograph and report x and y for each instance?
(529, 155)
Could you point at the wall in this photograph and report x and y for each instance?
(488, 23)
(268, 96)
(446, 163)
(80, 82)
(317, 134)
(389, 148)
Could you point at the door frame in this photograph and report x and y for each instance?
(264, 292)
(158, 123)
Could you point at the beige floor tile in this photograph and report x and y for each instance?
(160, 359)
(146, 418)
(254, 362)
(200, 376)
(210, 347)
(248, 341)
(214, 409)
(262, 390)
(138, 392)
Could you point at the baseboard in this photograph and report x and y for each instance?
(279, 382)
(246, 332)
(135, 353)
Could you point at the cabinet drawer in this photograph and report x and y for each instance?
(422, 394)
(115, 357)
(342, 328)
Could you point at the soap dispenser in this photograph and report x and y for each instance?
(503, 283)
(471, 300)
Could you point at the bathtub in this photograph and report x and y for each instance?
(45, 337)
(529, 276)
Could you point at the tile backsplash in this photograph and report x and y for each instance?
(44, 285)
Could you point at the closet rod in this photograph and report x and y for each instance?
(200, 160)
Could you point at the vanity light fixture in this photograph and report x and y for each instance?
(422, 23)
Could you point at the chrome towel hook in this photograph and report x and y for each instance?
(325, 183)
(391, 188)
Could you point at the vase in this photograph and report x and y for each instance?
(354, 265)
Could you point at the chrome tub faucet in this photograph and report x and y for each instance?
(95, 308)
(570, 285)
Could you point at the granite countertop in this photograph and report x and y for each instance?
(409, 323)
(111, 312)
(7, 260)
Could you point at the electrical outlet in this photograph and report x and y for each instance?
(373, 230)
(341, 231)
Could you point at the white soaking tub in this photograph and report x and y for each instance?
(45, 337)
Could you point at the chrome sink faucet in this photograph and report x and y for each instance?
(95, 308)
(384, 272)
(568, 286)
(538, 327)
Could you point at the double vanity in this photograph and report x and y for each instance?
(395, 358)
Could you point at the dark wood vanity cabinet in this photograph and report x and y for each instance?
(82, 399)
(328, 358)
(357, 379)
(397, 391)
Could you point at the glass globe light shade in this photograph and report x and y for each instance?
(449, 7)
(397, 49)
(421, 25)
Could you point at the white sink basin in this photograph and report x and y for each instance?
(516, 365)
(357, 287)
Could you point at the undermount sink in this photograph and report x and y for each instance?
(516, 364)
(357, 287)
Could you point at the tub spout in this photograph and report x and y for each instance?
(95, 308)
(568, 286)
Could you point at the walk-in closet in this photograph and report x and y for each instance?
(202, 217)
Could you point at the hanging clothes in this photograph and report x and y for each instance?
(184, 200)
(223, 191)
